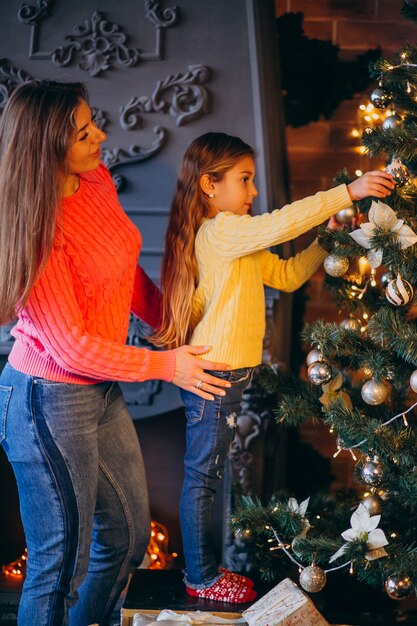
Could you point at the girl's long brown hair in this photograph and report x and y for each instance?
(212, 154)
(36, 131)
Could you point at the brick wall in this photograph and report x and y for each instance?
(318, 150)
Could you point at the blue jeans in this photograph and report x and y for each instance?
(209, 432)
(83, 495)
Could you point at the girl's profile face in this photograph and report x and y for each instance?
(236, 191)
(84, 154)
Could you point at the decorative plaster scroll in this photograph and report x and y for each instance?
(95, 43)
(118, 156)
(188, 102)
(162, 18)
(30, 14)
(10, 77)
(99, 117)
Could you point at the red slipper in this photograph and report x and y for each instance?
(237, 577)
(224, 590)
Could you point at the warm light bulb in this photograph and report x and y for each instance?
(358, 172)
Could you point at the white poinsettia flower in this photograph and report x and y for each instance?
(301, 508)
(382, 216)
(331, 392)
(363, 526)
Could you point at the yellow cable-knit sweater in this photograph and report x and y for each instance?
(233, 266)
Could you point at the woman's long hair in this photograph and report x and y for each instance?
(212, 154)
(37, 129)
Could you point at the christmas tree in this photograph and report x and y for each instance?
(362, 376)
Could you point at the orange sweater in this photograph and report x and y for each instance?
(74, 325)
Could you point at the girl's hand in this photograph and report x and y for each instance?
(333, 224)
(375, 183)
(190, 375)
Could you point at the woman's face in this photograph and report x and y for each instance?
(84, 154)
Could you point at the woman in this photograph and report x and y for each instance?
(68, 268)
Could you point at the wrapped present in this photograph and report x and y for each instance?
(284, 605)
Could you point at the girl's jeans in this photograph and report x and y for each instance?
(209, 432)
(83, 496)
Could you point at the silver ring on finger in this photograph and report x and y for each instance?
(198, 384)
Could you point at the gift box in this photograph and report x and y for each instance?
(284, 605)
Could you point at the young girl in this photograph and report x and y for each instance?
(213, 275)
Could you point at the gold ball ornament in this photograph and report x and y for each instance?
(373, 393)
(373, 504)
(398, 586)
(313, 579)
(319, 373)
(336, 265)
(399, 291)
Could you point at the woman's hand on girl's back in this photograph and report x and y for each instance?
(190, 372)
(375, 183)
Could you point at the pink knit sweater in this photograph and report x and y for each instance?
(74, 326)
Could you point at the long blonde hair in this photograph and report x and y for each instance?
(36, 131)
(213, 154)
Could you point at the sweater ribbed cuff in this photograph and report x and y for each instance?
(161, 365)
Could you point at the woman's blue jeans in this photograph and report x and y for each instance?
(209, 433)
(83, 495)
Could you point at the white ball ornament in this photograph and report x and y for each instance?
(345, 216)
(399, 172)
(413, 381)
(313, 356)
(313, 579)
(392, 121)
(399, 291)
(373, 393)
(336, 265)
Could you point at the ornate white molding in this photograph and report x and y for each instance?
(189, 99)
(96, 43)
(10, 77)
(116, 157)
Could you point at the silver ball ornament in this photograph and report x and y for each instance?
(386, 278)
(381, 98)
(399, 172)
(336, 265)
(351, 323)
(413, 381)
(345, 216)
(313, 579)
(372, 472)
(319, 373)
(313, 356)
(392, 121)
(373, 504)
(399, 291)
(373, 393)
(398, 587)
